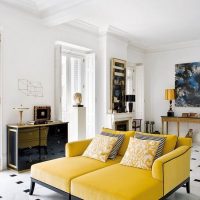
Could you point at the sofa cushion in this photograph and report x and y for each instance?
(117, 182)
(170, 142)
(118, 144)
(140, 153)
(100, 147)
(127, 134)
(61, 171)
(159, 151)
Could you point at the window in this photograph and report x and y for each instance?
(74, 72)
(72, 81)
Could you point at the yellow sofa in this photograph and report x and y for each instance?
(79, 177)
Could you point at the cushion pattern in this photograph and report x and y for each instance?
(127, 135)
(140, 153)
(149, 137)
(115, 150)
(100, 147)
(170, 142)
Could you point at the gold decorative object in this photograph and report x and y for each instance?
(20, 109)
(78, 98)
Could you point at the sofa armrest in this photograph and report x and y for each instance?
(172, 168)
(76, 148)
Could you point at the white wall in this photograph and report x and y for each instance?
(28, 52)
(160, 75)
(135, 55)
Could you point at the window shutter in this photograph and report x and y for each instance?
(76, 74)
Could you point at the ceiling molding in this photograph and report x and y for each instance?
(114, 32)
(84, 26)
(63, 13)
(172, 46)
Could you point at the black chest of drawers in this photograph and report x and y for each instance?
(30, 144)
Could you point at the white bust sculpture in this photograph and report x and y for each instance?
(78, 98)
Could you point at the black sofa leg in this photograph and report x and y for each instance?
(32, 186)
(188, 186)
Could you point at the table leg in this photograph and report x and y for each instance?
(166, 127)
(162, 126)
(178, 128)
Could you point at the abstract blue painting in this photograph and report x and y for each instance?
(187, 84)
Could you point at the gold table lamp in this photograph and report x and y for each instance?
(20, 109)
(170, 95)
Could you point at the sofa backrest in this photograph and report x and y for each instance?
(127, 134)
(171, 142)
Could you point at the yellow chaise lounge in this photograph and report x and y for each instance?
(79, 177)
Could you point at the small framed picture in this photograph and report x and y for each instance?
(42, 113)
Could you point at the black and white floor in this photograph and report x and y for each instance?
(14, 186)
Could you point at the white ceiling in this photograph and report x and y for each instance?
(146, 23)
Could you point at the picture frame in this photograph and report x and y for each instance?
(42, 113)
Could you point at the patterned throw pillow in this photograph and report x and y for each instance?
(115, 150)
(100, 147)
(140, 153)
(149, 137)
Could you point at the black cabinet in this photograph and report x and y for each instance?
(30, 144)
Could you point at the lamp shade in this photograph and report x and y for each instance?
(169, 94)
(130, 98)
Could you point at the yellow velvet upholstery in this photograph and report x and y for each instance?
(60, 172)
(95, 180)
(117, 182)
(170, 142)
(76, 148)
(172, 168)
(127, 134)
(182, 141)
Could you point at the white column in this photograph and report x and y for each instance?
(77, 124)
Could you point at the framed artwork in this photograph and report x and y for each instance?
(42, 113)
(187, 84)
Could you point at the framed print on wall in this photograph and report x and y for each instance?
(187, 84)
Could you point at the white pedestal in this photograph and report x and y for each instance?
(77, 124)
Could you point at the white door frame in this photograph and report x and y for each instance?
(1, 98)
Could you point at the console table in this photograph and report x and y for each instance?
(178, 120)
(30, 144)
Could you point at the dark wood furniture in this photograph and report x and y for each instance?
(177, 120)
(30, 144)
(137, 124)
